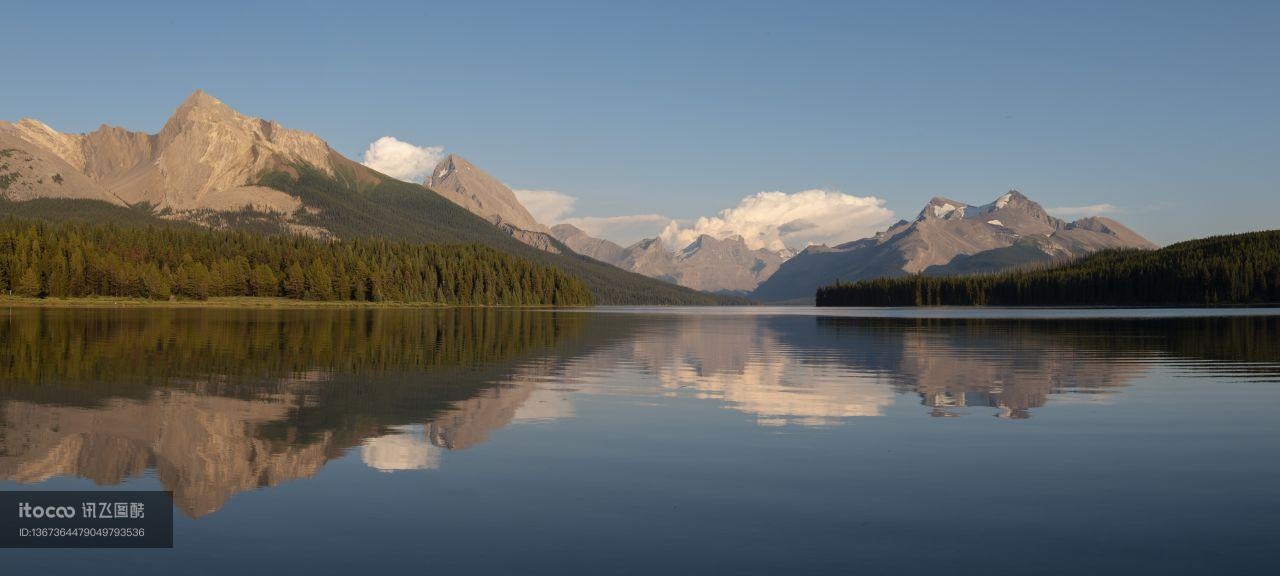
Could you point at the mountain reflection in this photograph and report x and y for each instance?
(753, 365)
(1017, 365)
(814, 371)
(221, 401)
(217, 402)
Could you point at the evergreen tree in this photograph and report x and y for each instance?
(77, 259)
(264, 281)
(28, 284)
(295, 282)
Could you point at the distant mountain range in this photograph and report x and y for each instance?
(1232, 270)
(709, 264)
(948, 238)
(718, 265)
(212, 166)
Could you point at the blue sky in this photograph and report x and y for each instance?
(1165, 110)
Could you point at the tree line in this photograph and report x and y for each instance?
(42, 259)
(247, 352)
(1239, 269)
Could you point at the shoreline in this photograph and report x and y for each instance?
(245, 302)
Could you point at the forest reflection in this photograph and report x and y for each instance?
(219, 401)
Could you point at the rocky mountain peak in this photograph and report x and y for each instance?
(567, 230)
(447, 167)
(943, 208)
(201, 100)
(648, 245)
(950, 237)
(1013, 196)
(1012, 200)
(207, 148)
(701, 242)
(1110, 227)
(203, 115)
(579, 241)
(707, 242)
(472, 188)
(201, 108)
(1015, 210)
(207, 157)
(708, 263)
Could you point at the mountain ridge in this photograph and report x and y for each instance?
(708, 263)
(205, 157)
(229, 170)
(947, 231)
(466, 185)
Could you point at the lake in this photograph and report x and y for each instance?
(667, 440)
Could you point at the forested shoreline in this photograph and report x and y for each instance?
(1234, 270)
(67, 260)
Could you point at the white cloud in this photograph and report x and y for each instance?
(1083, 211)
(624, 230)
(401, 159)
(778, 221)
(407, 449)
(547, 206)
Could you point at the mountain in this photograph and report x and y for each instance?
(1233, 270)
(724, 264)
(472, 188)
(948, 238)
(708, 264)
(467, 186)
(212, 166)
(581, 242)
(205, 158)
(207, 444)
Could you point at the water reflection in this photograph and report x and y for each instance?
(1012, 366)
(764, 367)
(221, 401)
(217, 402)
(1017, 365)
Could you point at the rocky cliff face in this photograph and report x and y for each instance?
(207, 157)
(950, 237)
(483, 195)
(472, 188)
(29, 171)
(725, 264)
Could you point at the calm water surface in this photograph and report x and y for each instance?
(756, 440)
